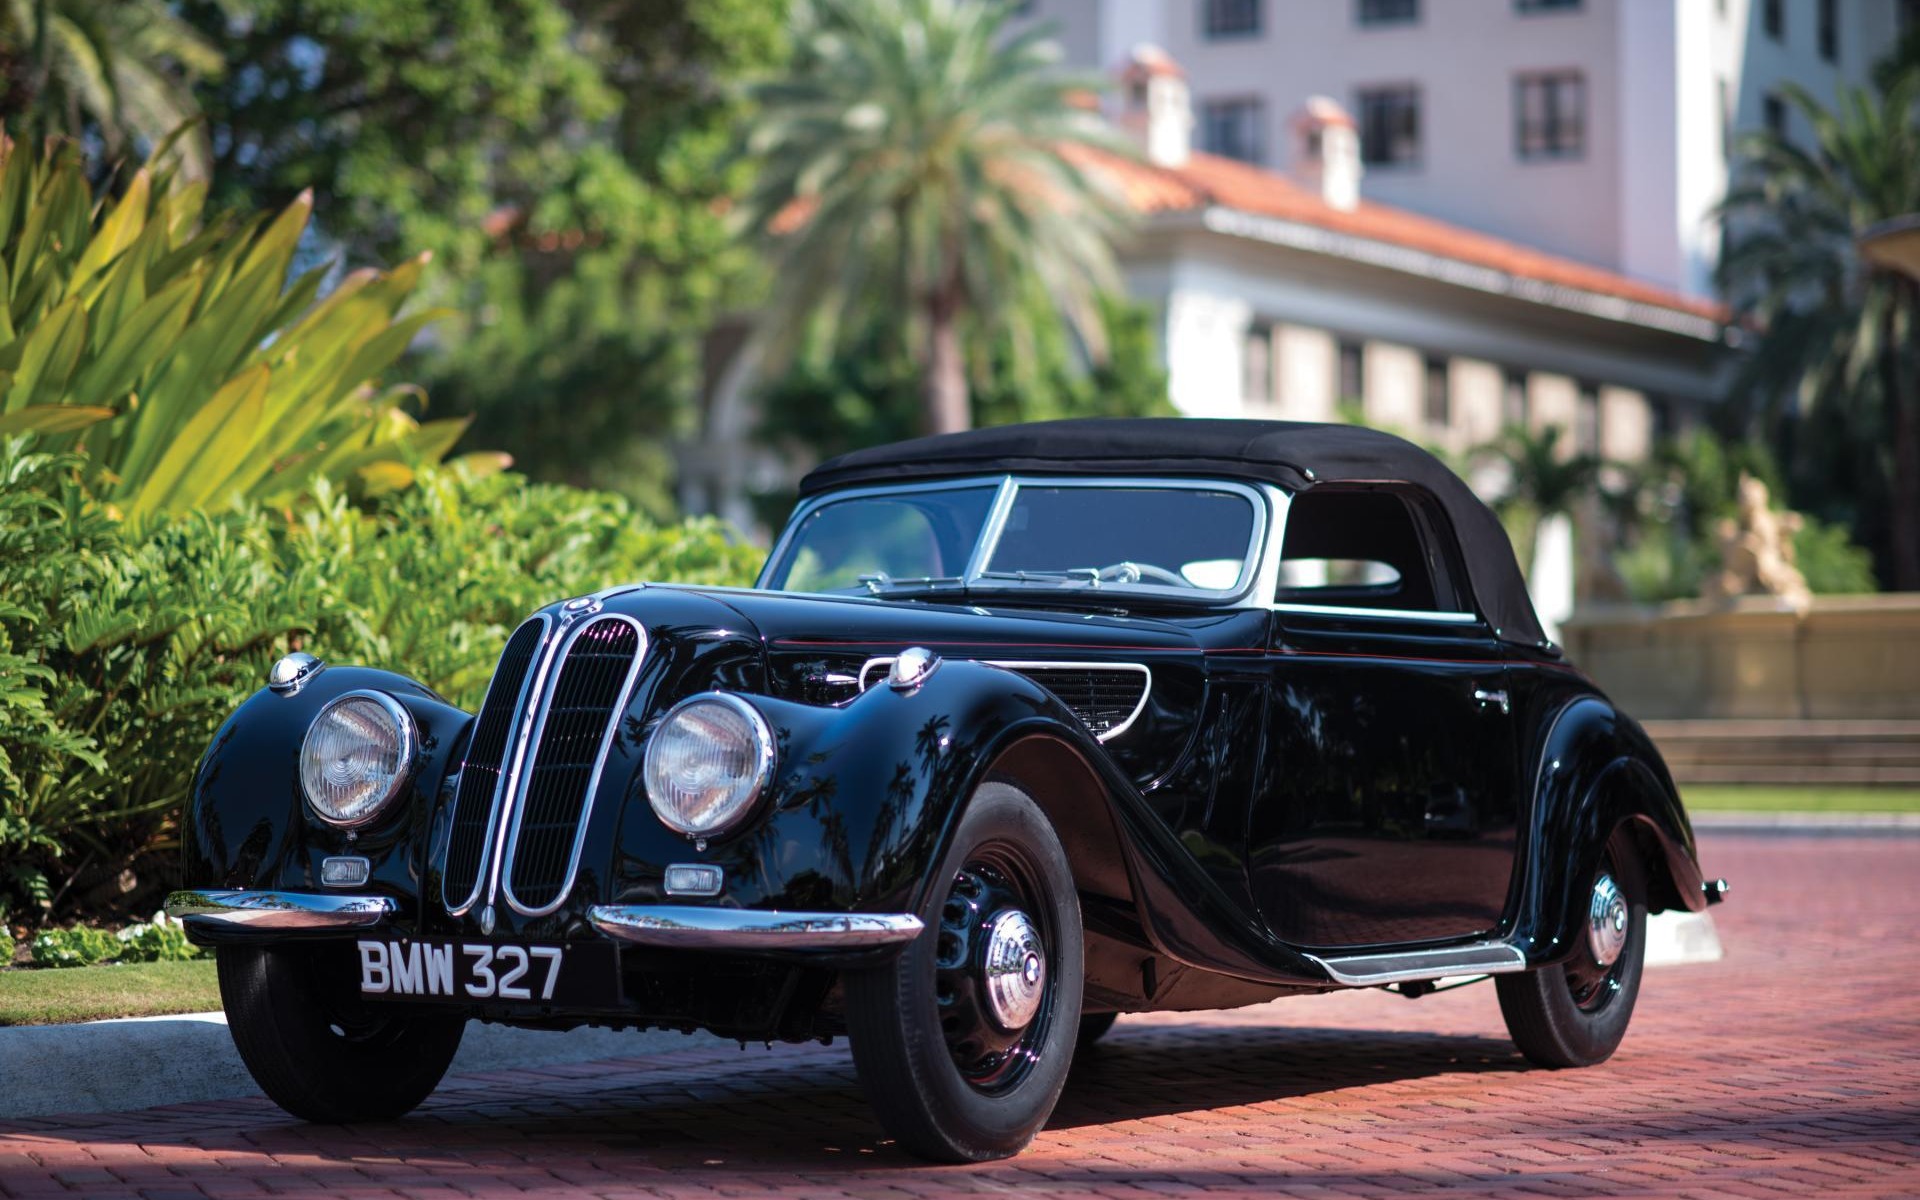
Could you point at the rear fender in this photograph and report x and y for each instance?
(1597, 773)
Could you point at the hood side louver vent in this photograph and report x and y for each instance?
(1107, 697)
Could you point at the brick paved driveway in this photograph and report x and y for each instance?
(1791, 1069)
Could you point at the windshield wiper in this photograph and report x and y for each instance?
(1087, 575)
(882, 584)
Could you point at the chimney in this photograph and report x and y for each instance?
(1155, 105)
(1326, 152)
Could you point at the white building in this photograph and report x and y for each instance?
(1593, 129)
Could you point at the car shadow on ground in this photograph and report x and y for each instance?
(792, 1111)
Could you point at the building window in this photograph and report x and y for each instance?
(1586, 421)
(1256, 386)
(1387, 12)
(1773, 111)
(1773, 19)
(1723, 94)
(1437, 398)
(1830, 30)
(1353, 376)
(1389, 126)
(1538, 6)
(1230, 18)
(1550, 111)
(1233, 128)
(1513, 398)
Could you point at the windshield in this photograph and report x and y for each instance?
(1191, 539)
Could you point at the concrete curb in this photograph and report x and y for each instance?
(142, 1062)
(1796, 824)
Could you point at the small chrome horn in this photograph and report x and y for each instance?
(291, 673)
(911, 668)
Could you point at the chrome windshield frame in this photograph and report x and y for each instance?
(1258, 566)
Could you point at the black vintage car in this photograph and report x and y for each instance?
(1021, 729)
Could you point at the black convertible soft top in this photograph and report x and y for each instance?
(1294, 454)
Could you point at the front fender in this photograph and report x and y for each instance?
(1596, 772)
(863, 797)
(248, 824)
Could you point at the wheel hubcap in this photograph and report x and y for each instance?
(1606, 921)
(992, 980)
(1015, 970)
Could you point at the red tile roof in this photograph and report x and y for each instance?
(1209, 181)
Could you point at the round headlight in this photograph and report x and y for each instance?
(707, 763)
(357, 756)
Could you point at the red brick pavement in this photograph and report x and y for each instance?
(1791, 1069)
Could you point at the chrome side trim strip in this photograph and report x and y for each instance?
(593, 780)
(281, 910)
(1380, 614)
(695, 928)
(882, 664)
(485, 864)
(1407, 966)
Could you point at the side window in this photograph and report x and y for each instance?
(1370, 547)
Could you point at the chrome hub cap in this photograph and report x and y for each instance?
(993, 988)
(1606, 921)
(1015, 970)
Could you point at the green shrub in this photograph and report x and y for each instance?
(7, 949)
(183, 356)
(80, 946)
(1831, 562)
(121, 651)
(159, 940)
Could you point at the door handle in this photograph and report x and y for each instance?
(1500, 698)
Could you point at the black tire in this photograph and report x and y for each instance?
(1093, 1027)
(318, 1050)
(1575, 1014)
(909, 1021)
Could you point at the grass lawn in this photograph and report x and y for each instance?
(57, 996)
(1735, 798)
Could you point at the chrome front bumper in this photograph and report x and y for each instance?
(281, 910)
(690, 927)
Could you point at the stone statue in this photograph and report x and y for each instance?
(1596, 579)
(1756, 551)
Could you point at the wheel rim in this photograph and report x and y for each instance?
(1593, 976)
(993, 969)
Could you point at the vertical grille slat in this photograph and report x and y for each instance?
(585, 699)
(474, 802)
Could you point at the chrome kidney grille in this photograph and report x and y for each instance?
(576, 730)
(537, 753)
(478, 797)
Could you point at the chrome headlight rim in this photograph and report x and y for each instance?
(765, 757)
(409, 735)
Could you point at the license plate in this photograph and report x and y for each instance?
(582, 974)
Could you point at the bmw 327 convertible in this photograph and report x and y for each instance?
(1021, 729)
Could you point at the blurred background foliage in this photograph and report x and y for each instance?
(183, 357)
(122, 649)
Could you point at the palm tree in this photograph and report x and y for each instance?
(121, 69)
(913, 159)
(1834, 331)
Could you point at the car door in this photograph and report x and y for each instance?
(1387, 810)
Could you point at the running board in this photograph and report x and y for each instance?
(1409, 966)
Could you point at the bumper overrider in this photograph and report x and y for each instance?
(672, 926)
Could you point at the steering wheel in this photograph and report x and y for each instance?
(1133, 572)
